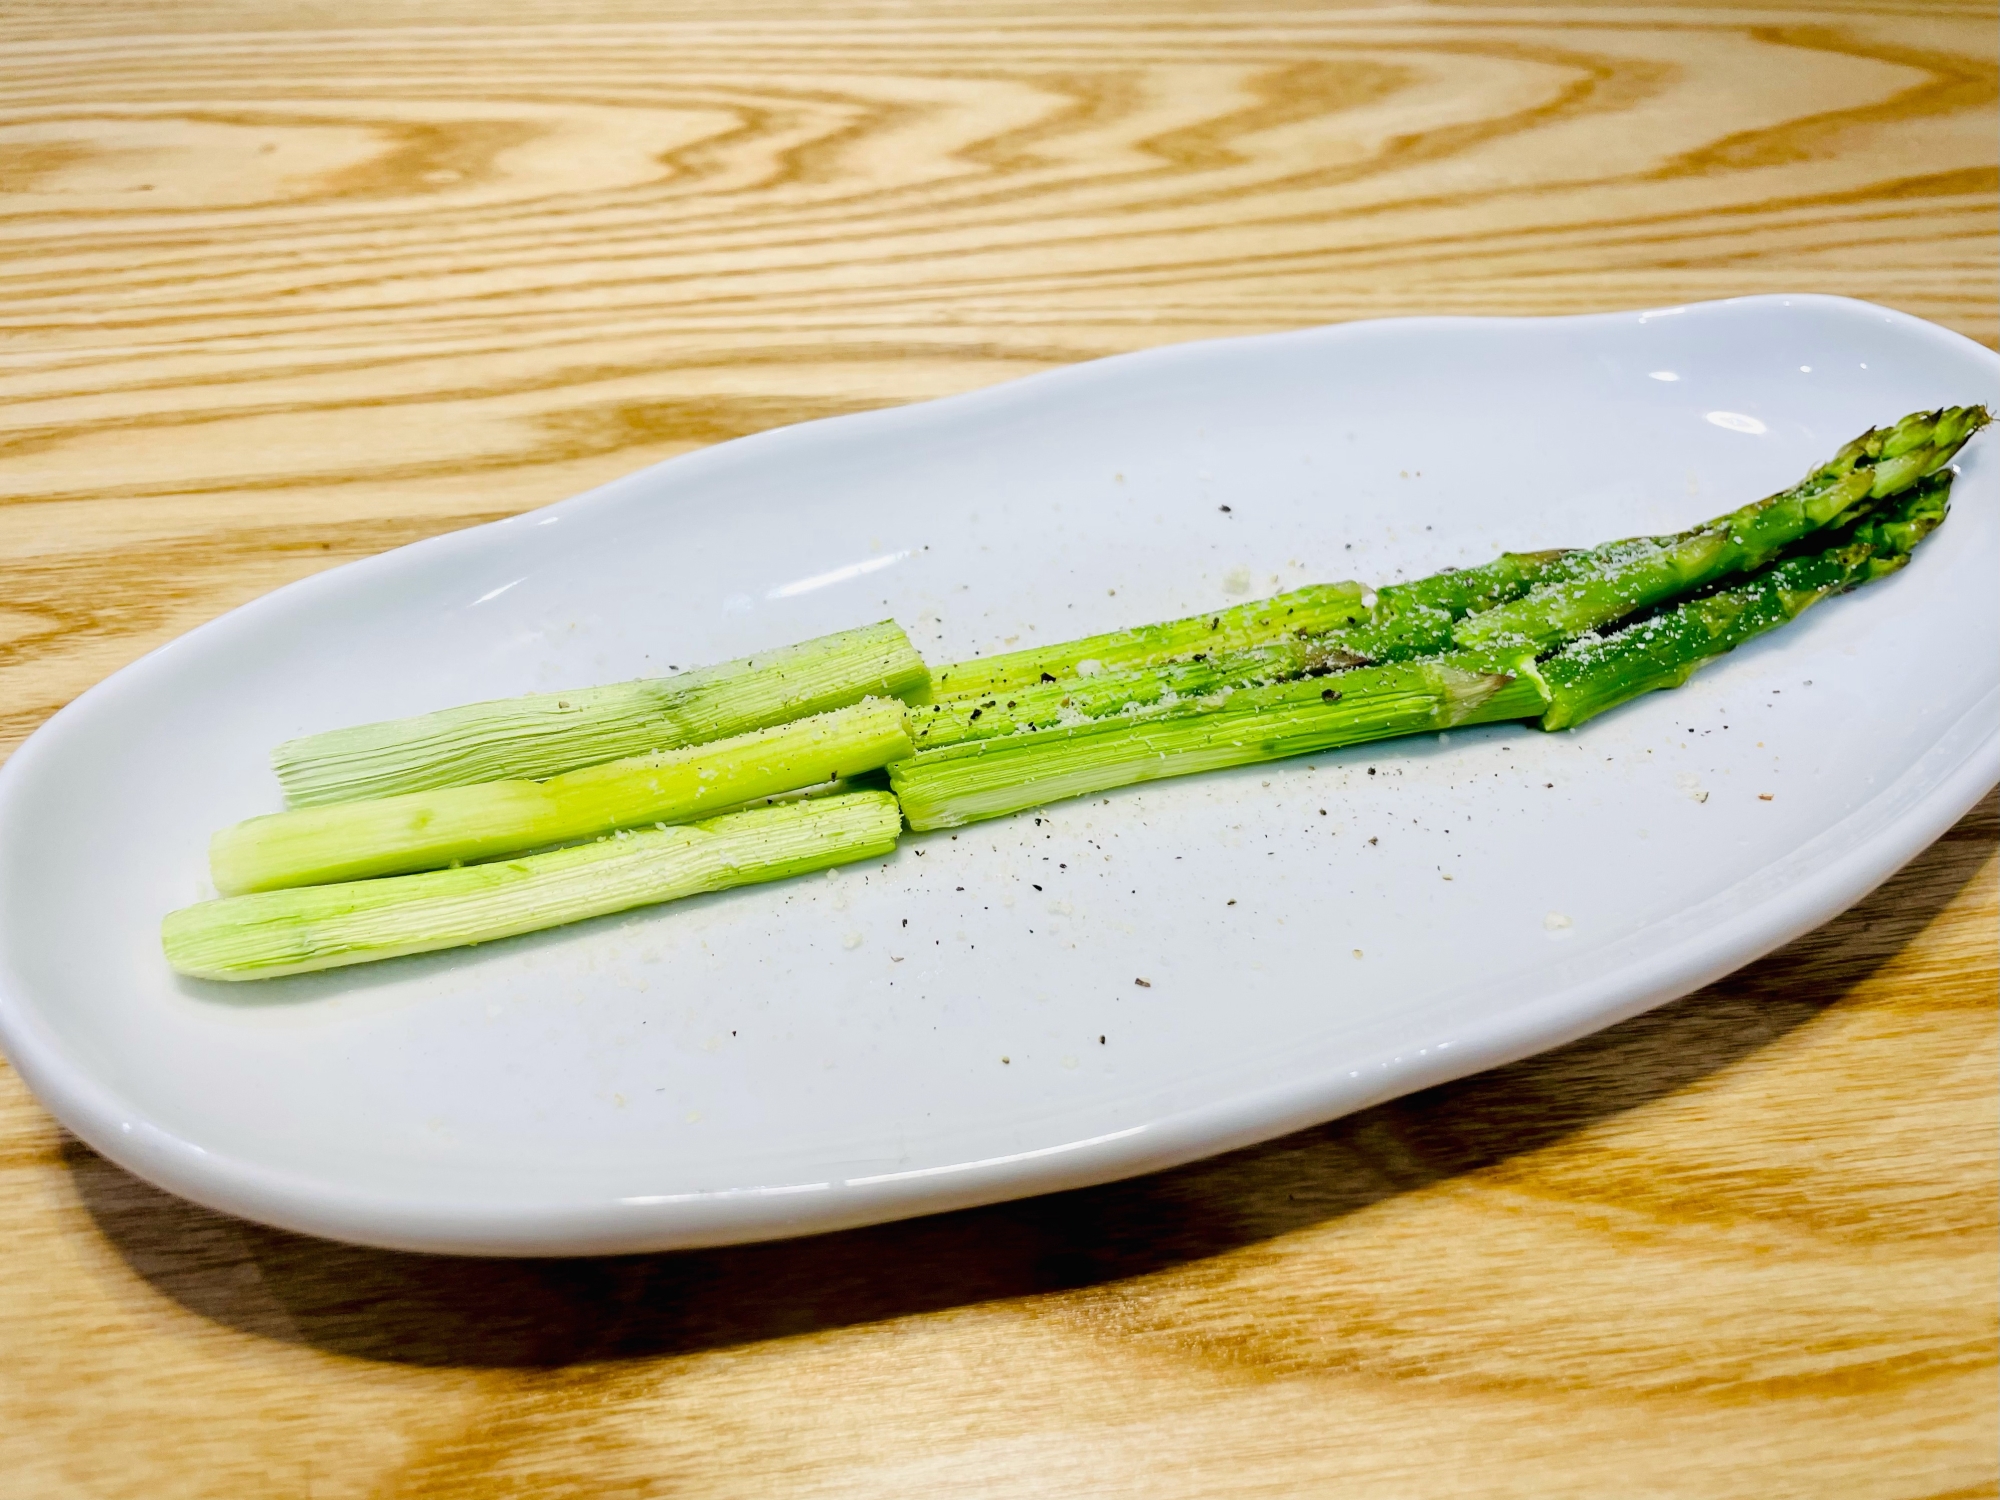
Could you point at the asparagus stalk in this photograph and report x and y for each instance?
(1132, 669)
(1386, 624)
(457, 825)
(544, 734)
(1306, 611)
(323, 927)
(1462, 591)
(1594, 674)
(987, 778)
(1400, 622)
(1566, 594)
(1622, 578)
(981, 778)
(1133, 690)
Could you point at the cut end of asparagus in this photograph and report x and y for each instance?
(298, 931)
(544, 734)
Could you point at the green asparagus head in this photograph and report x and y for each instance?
(1892, 458)
(1891, 535)
(1662, 650)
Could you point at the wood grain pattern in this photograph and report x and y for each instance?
(286, 285)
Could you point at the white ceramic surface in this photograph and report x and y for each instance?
(964, 1022)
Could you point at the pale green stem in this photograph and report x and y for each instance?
(323, 927)
(545, 734)
(988, 778)
(1307, 611)
(457, 825)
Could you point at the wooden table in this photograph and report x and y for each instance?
(283, 285)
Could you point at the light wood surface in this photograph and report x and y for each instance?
(283, 285)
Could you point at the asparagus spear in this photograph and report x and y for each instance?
(1125, 671)
(1394, 623)
(1132, 690)
(1386, 624)
(1399, 622)
(1462, 591)
(323, 927)
(976, 779)
(1619, 579)
(1594, 674)
(457, 825)
(1306, 611)
(544, 734)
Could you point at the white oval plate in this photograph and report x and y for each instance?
(1122, 985)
